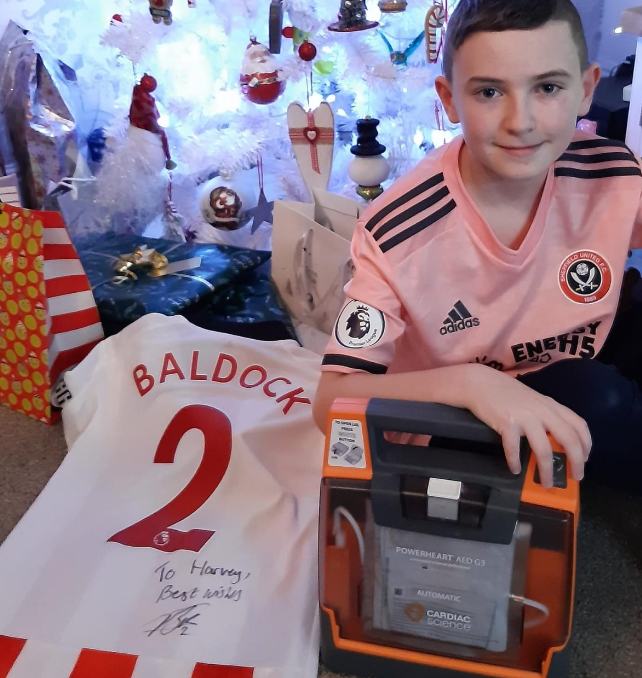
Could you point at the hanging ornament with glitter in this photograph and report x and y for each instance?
(369, 168)
(352, 17)
(397, 57)
(261, 81)
(435, 20)
(312, 136)
(144, 115)
(392, 6)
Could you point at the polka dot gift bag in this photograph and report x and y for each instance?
(48, 318)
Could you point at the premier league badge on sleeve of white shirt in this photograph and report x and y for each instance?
(359, 325)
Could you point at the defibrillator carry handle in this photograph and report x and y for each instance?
(463, 449)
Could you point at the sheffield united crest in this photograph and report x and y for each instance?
(585, 277)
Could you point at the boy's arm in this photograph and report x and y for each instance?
(356, 368)
(636, 238)
(509, 407)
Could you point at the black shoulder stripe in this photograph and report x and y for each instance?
(596, 143)
(411, 212)
(598, 174)
(416, 228)
(418, 190)
(601, 143)
(597, 158)
(354, 363)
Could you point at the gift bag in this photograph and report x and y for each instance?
(311, 261)
(48, 318)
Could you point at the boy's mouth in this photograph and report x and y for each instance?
(520, 151)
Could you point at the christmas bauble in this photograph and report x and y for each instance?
(307, 51)
(261, 82)
(224, 201)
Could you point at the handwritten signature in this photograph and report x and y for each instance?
(180, 620)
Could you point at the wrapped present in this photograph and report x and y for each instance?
(37, 126)
(132, 276)
(251, 307)
(48, 319)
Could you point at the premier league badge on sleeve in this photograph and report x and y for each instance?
(359, 325)
(585, 277)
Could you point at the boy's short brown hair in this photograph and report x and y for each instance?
(494, 16)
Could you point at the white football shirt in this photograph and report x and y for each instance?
(182, 525)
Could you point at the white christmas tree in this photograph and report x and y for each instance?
(211, 126)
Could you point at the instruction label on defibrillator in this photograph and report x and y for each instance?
(446, 589)
(346, 444)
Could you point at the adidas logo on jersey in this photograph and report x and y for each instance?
(458, 319)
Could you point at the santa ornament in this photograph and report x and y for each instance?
(260, 80)
(225, 200)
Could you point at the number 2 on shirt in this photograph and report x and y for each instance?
(155, 531)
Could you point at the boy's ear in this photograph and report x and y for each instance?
(445, 93)
(590, 80)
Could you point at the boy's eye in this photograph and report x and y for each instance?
(549, 88)
(488, 93)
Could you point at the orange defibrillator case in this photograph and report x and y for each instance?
(435, 560)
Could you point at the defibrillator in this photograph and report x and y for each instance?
(436, 560)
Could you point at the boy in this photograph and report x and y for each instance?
(501, 255)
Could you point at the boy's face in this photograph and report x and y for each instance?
(517, 96)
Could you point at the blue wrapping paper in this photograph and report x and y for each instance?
(250, 307)
(181, 293)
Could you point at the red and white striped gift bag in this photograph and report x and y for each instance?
(33, 659)
(48, 317)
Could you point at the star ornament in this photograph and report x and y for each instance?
(262, 213)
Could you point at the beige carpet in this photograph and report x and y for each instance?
(608, 620)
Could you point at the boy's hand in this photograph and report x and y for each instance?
(514, 410)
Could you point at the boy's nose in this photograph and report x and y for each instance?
(519, 116)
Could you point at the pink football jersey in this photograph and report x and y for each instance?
(433, 286)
